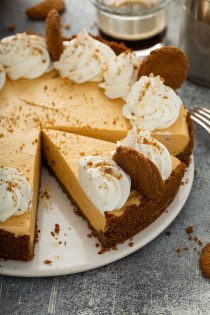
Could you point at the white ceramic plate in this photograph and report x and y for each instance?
(79, 253)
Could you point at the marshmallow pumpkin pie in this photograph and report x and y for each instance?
(102, 191)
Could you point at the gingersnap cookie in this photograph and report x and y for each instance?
(54, 35)
(168, 62)
(205, 261)
(145, 176)
(41, 10)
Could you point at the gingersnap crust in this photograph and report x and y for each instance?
(17, 248)
(145, 176)
(41, 10)
(169, 62)
(54, 35)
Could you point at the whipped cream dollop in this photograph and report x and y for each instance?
(120, 75)
(151, 104)
(104, 182)
(15, 193)
(84, 59)
(141, 141)
(2, 77)
(24, 56)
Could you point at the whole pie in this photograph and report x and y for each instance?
(117, 141)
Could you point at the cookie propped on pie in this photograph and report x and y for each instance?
(146, 161)
(169, 62)
(145, 177)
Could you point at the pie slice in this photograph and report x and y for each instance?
(63, 153)
(20, 162)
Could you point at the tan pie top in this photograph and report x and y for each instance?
(84, 109)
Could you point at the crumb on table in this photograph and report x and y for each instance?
(47, 262)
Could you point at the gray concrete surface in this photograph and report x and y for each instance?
(154, 280)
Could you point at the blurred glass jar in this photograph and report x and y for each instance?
(195, 39)
(139, 23)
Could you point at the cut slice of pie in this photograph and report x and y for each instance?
(63, 152)
(20, 162)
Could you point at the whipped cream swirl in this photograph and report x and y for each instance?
(24, 56)
(120, 75)
(84, 59)
(151, 104)
(152, 149)
(15, 193)
(2, 77)
(104, 182)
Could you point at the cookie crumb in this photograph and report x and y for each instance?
(48, 262)
(182, 249)
(67, 26)
(130, 244)
(189, 229)
(200, 243)
(45, 194)
(90, 235)
(57, 229)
